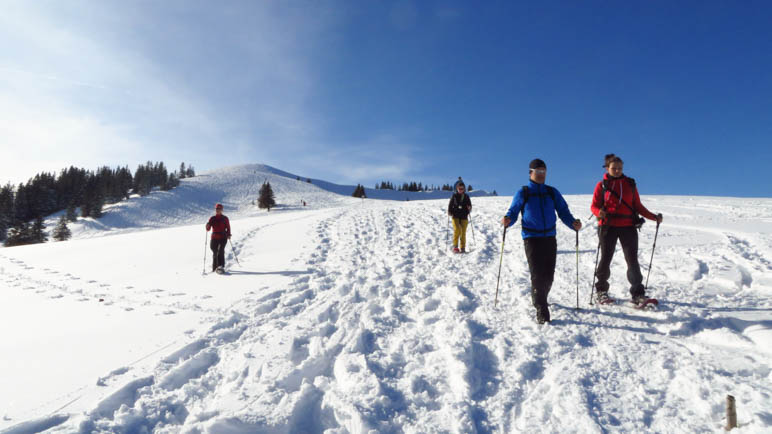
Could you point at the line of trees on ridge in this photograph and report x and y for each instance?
(415, 186)
(75, 189)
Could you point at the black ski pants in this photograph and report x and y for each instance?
(628, 237)
(541, 253)
(218, 252)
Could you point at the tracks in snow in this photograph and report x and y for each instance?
(390, 332)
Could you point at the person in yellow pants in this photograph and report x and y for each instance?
(459, 208)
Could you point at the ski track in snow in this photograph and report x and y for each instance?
(390, 332)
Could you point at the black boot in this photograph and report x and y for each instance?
(542, 315)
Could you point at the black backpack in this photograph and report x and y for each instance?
(638, 221)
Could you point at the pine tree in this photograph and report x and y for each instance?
(96, 207)
(183, 171)
(61, 231)
(38, 233)
(171, 183)
(469, 187)
(266, 199)
(494, 193)
(19, 235)
(125, 181)
(359, 191)
(93, 199)
(21, 204)
(6, 210)
(308, 180)
(163, 175)
(71, 213)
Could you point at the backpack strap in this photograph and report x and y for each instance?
(606, 188)
(525, 194)
(637, 221)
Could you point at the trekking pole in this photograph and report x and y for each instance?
(234, 252)
(597, 254)
(577, 270)
(206, 235)
(652, 255)
(470, 224)
(446, 230)
(501, 257)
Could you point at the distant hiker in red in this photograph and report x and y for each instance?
(221, 233)
(617, 205)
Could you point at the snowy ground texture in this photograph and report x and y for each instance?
(352, 316)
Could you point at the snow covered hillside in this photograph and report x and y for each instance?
(236, 188)
(193, 201)
(352, 316)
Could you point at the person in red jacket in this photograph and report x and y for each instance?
(617, 206)
(221, 233)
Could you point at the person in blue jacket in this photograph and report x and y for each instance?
(538, 203)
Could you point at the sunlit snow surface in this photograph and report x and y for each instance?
(352, 316)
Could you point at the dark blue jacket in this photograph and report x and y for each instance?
(539, 213)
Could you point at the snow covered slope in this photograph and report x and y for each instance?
(236, 188)
(193, 201)
(353, 317)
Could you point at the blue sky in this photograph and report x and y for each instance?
(396, 90)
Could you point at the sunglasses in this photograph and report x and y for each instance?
(539, 171)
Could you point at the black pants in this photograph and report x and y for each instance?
(541, 253)
(628, 237)
(218, 252)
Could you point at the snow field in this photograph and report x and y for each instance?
(356, 318)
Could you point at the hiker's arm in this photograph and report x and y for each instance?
(642, 209)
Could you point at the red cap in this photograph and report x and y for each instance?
(218, 206)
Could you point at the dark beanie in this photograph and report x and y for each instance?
(459, 182)
(537, 163)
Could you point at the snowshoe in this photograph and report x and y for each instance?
(643, 302)
(220, 270)
(455, 250)
(603, 298)
(463, 250)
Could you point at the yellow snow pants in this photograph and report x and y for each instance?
(459, 231)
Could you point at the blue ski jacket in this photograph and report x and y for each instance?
(539, 212)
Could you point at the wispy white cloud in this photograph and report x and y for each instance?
(93, 83)
(67, 97)
(85, 88)
(383, 157)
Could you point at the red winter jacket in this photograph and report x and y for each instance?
(220, 226)
(618, 214)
